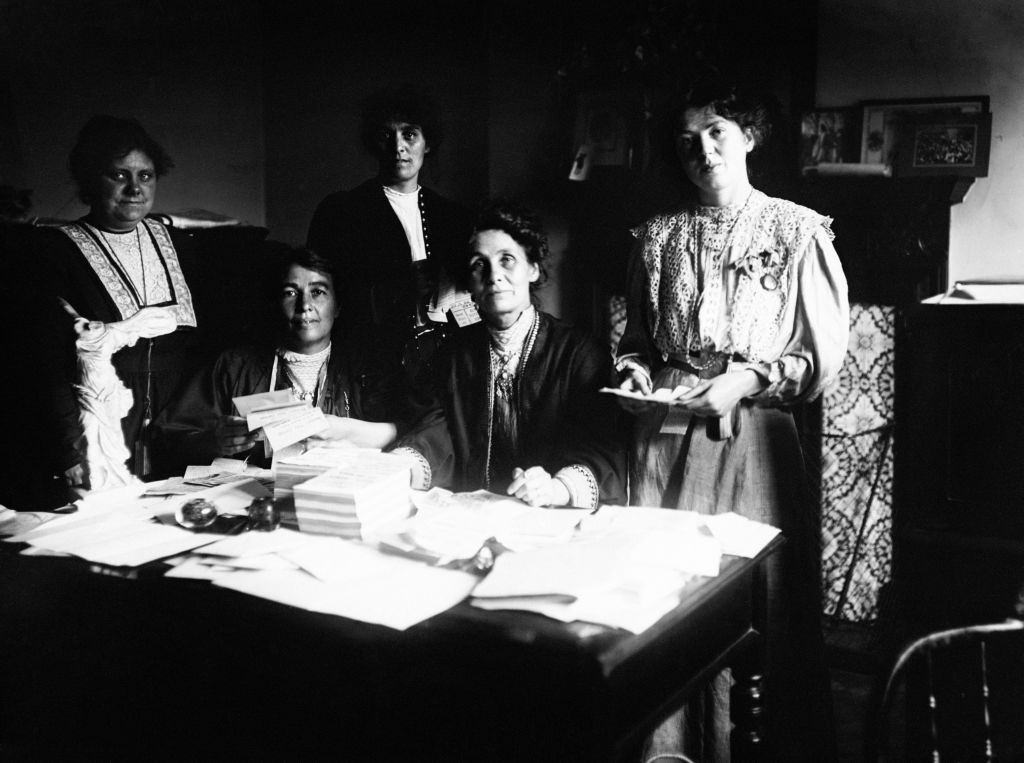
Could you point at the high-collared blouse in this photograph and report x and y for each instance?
(759, 281)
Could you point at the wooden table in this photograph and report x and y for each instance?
(161, 668)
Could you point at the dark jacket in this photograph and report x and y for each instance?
(360, 232)
(564, 420)
(170, 359)
(357, 385)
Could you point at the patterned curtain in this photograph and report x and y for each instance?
(856, 480)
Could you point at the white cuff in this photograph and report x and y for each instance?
(581, 484)
(421, 474)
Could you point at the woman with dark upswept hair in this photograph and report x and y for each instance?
(391, 238)
(113, 265)
(519, 391)
(737, 305)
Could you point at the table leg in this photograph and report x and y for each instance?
(747, 704)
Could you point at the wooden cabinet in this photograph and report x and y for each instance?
(959, 461)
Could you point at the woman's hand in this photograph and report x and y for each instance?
(149, 322)
(233, 435)
(633, 380)
(718, 396)
(538, 488)
(77, 479)
(365, 434)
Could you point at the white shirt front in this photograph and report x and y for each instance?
(407, 207)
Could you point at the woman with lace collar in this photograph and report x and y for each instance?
(519, 390)
(737, 309)
(365, 401)
(109, 266)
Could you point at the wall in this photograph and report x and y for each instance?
(189, 71)
(881, 49)
(319, 63)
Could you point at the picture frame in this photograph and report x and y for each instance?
(952, 146)
(604, 123)
(828, 136)
(883, 121)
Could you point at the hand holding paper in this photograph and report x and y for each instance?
(233, 435)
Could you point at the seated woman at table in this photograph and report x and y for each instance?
(519, 390)
(365, 403)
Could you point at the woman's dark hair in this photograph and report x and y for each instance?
(283, 257)
(732, 102)
(401, 103)
(102, 140)
(521, 224)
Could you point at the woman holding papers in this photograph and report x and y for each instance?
(520, 389)
(363, 402)
(737, 303)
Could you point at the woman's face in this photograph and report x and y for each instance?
(500, 275)
(125, 192)
(713, 151)
(401, 148)
(309, 307)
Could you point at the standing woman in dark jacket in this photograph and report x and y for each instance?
(390, 238)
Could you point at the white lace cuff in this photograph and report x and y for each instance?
(581, 484)
(421, 474)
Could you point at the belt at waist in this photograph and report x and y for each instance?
(704, 365)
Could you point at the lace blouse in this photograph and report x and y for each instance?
(759, 281)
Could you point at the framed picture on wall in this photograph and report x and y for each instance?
(827, 136)
(884, 121)
(952, 146)
(604, 124)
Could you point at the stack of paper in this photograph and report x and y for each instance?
(355, 500)
(296, 464)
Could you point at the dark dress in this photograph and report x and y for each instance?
(563, 418)
(166, 360)
(380, 285)
(357, 385)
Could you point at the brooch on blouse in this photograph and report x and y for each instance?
(766, 266)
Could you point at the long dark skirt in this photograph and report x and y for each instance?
(757, 473)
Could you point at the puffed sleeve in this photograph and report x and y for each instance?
(813, 354)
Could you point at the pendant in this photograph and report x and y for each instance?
(769, 282)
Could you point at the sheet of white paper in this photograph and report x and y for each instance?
(117, 541)
(660, 396)
(300, 424)
(257, 562)
(740, 536)
(18, 522)
(246, 403)
(230, 466)
(407, 594)
(254, 543)
(193, 569)
(335, 560)
(456, 524)
(619, 608)
(260, 417)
